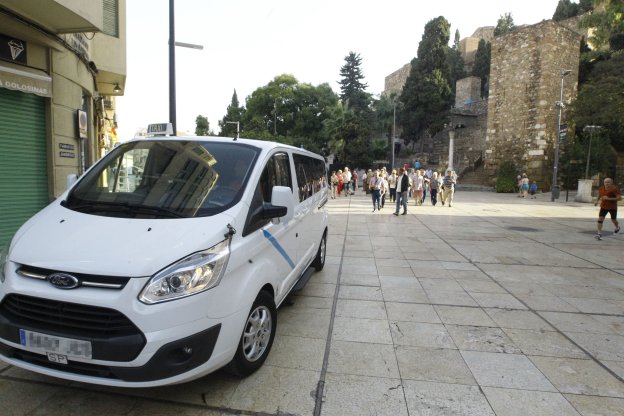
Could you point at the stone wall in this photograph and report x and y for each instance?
(525, 84)
(395, 81)
(467, 90)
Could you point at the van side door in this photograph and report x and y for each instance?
(274, 240)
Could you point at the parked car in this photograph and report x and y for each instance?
(171, 278)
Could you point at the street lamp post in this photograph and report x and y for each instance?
(393, 132)
(555, 187)
(237, 127)
(172, 77)
(452, 143)
(591, 130)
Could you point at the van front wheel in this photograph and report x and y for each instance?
(319, 260)
(257, 337)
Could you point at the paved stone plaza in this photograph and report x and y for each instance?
(496, 306)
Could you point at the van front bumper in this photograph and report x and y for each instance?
(170, 360)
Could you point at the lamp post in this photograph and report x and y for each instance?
(591, 130)
(172, 82)
(555, 187)
(452, 143)
(237, 127)
(393, 131)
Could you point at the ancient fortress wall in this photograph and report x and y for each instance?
(525, 81)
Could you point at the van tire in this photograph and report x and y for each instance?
(258, 334)
(319, 260)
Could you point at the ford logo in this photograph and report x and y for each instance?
(63, 281)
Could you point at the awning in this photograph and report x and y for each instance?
(25, 79)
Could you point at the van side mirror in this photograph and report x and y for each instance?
(282, 197)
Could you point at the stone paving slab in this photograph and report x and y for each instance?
(496, 306)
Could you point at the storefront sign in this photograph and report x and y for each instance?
(25, 79)
(13, 50)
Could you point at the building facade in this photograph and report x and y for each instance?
(61, 65)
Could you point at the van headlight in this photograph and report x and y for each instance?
(193, 274)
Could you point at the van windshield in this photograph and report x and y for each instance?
(165, 179)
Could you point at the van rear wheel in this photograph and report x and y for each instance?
(257, 337)
(319, 260)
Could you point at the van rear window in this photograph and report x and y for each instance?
(165, 179)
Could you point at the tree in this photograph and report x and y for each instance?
(352, 89)
(202, 126)
(455, 63)
(600, 100)
(504, 25)
(427, 94)
(566, 9)
(481, 66)
(607, 25)
(234, 113)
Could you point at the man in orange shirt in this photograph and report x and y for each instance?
(608, 197)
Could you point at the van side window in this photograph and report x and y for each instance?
(275, 173)
(311, 175)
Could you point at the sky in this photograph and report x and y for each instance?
(247, 43)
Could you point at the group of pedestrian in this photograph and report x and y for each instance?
(382, 185)
(526, 187)
(343, 182)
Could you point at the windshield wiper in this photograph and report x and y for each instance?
(97, 206)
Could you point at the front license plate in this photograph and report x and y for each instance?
(58, 346)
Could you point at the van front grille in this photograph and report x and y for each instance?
(66, 317)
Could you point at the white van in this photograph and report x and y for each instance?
(164, 262)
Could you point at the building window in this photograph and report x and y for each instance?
(111, 18)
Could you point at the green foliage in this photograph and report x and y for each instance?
(289, 112)
(202, 126)
(607, 25)
(481, 68)
(455, 64)
(352, 89)
(574, 158)
(506, 179)
(566, 9)
(233, 114)
(427, 95)
(504, 25)
(600, 100)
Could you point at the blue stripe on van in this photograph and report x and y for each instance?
(279, 248)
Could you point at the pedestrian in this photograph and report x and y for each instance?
(392, 183)
(524, 185)
(608, 197)
(433, 188)
(533, 189)
(448, 187)
(418, 181)
(340, 181)
(347, 181)
(334, 184)
(375, 184)
(355, 180)
(401, 191)
(519, 185)
(384, 190)
(425, 186)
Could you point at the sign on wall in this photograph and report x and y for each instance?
(13, 50)
(82, 124)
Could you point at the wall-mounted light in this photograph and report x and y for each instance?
(117, 88)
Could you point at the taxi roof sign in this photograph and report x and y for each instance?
(160, 129)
